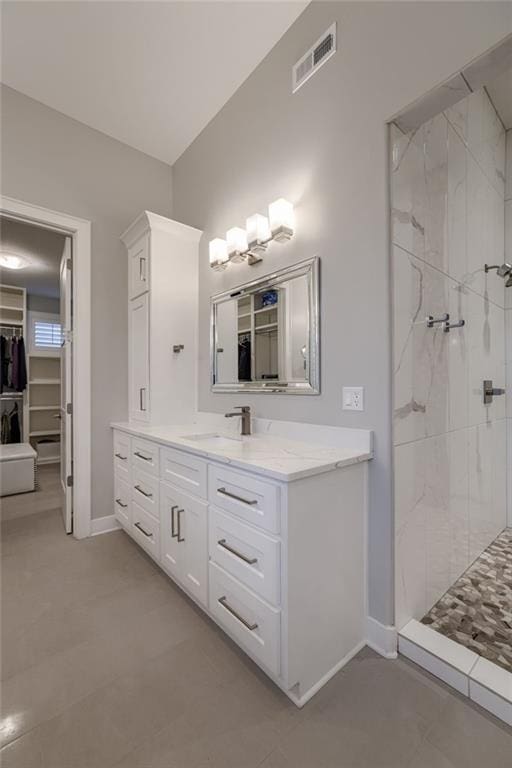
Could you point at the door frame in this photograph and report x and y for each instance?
(80, 232)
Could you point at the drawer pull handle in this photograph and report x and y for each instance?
(119, 456)
(141, 529)
(225, 604)
(237, 498)
(118, 501)
(141, 456)
(248, 560)
(180, 537)
(173, 532)
(139, 489)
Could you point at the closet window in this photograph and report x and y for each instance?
(45, 333)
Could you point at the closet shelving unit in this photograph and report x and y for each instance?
(261, 322)
(13, 321)
(44, 405)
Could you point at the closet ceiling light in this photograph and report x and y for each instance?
(12, 261)
(249, 244)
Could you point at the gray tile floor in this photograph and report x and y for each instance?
(107, 664)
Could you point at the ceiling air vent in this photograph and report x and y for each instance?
(317, 55)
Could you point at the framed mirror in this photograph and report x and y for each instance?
(265, 335)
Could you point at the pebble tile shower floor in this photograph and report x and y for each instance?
(106, 664)
(477, 610)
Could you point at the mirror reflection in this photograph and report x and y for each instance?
(264, 334)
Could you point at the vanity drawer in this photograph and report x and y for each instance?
(184, 470)
(122, 501)
(122, 454)
(146, 531)
(254, 500)
(145, 456)
(246, 553)
(255, 625)
(146, 492)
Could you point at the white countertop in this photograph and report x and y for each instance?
(274, 456)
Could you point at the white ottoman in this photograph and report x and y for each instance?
(17, 468)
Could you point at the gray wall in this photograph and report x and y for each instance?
(37, 303)
(325, 148)
(53, 161)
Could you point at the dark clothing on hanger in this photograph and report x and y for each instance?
(15, 433)
(244, 359)
(21, 383)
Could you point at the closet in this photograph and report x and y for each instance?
(162, 319)
(14, 365)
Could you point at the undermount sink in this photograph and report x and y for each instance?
(214, 440)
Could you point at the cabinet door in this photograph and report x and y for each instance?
(172, 549)
(138, 354)
(138, 265)
(184, 540)
(192, 527)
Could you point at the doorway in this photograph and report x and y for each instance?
(36, 335)
(73, 414)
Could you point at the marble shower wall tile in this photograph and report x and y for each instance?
(420, 187)
(432, 523)
(485, 234)
(487, 484)
(485, 344)
(486, 138)
(508, 166)
(420, 353)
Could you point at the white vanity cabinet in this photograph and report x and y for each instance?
(138, 354)
(162, 317)
(278, 565)
(184, 549)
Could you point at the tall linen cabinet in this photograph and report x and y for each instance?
(162, 319)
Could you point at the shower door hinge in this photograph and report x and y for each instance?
(69, 481)
(69, 408)
(68, 264)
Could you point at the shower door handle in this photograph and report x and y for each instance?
(491, 392)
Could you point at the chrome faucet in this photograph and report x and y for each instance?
(245, 413)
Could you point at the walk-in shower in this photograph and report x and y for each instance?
(451, 188)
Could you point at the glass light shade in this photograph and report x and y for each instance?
(258, 232)
(236, 238)
(218, 253)
(282, 219)
(12, 261)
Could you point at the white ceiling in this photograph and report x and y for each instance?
(43, 250)
(500, 91)
(150, 74)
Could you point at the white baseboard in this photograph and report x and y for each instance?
(299, 701)
(104, 525)
(381, 638)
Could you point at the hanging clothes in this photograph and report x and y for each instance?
(10, 348)
(14, 426)
(14, 365)
(244, 358)
(21, 383)
(4, 362)
(5, 428)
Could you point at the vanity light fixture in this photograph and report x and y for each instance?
(258, 233)
(249, 244)
(236, 238)
(218, 253)
(281, 220)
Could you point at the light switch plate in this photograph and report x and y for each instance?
(353, 399)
